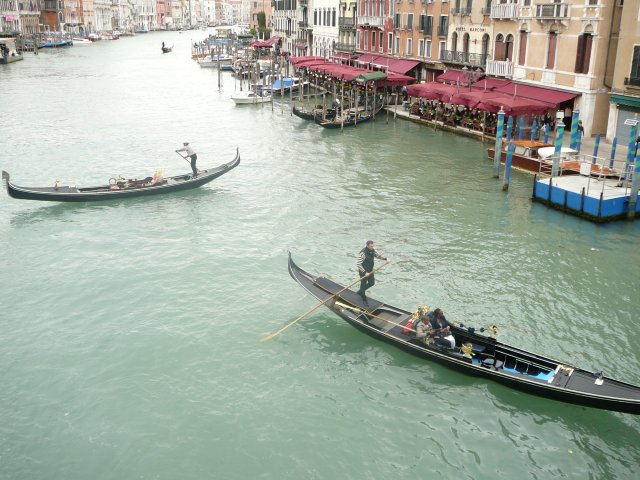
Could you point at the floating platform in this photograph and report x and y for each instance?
(597, 198)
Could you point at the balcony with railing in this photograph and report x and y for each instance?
(303, 24)
(346, 22)
(552, 11)
(426, 30)
(465, 12)
(486, 11)
(505, 10)
(455, 12)
(463, 58)
(371, 21)
(345, 47)
(632, 81)
(499, 68)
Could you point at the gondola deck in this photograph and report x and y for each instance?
(485, 357)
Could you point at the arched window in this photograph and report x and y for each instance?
(499, 50)
(485, 45)
(583, 54)
(465, 43)
(508, 48)
(454, 42)
(522, 53)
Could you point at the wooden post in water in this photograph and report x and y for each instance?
(557, 153)
(635, 186)
(498, 145)
(573, 138)
(631, 152)
(507, 165)
(614, 144)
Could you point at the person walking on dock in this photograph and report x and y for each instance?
(189, 152)
(365, 268)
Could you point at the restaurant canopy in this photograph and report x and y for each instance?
(460, 77)
(389, 64)
(266, 43)
(490, 94)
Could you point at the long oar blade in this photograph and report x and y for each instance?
(269, 337)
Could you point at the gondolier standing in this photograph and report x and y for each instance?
(190, 153)
(365, 268)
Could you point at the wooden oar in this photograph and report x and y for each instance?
(269, 337)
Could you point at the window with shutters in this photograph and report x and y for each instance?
(508, 48)
(635, 66)
(373, 39)
(522, 53)
(583, 54)
(396, 21)
(499, 49)
(551, 50)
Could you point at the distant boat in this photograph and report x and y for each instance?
(212, 61)
(250, 97)
(80, 42)
(52, 43)
(287, 84)
(8, 51)
(167, 49)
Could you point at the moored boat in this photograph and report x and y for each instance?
(345, 118)
(475, 354)
(310, 114)
(119, 188)
(80, 42)
(8, 51)
(251, 97)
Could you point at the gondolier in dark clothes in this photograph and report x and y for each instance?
(365, 268)
(191, 154)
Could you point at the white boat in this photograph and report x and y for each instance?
(8, 51)
(212, 61)
(80, 42)
(250, 96)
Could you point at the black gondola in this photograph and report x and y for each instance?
(119, 188)
(475, 354)
(310, 115)
(345, 119)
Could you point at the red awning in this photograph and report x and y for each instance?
(460, 77)
(305, 59)
(366, 59)
(513, 105)
(473, 98)
(396, 65)
(541, 94)
(396, 79)
(266, 44)
(433, 91)
(487, 83)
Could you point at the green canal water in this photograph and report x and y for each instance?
(129, 330)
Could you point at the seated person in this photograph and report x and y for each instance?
(441, 328)
(423, 329)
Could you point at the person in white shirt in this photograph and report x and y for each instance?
(191, 154)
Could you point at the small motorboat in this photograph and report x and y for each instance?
(80, 42)
(251, 96)
(8, 51)
(213, 61)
